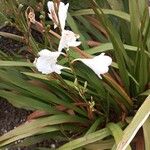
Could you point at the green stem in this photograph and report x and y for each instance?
(75, 76)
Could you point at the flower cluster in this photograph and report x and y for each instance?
(47, 60)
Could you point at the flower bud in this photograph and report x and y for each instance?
(42, 17)
(20, 7)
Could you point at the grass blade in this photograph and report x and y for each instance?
(38, 126)
(116, 13)
(135, 21)
(15, 64)
(26, 102)
(3, 19)
(94, 126)
(90, 138)
(75, 29)
(146, 131)
(120, 53)
(117, 133)
(138, 121)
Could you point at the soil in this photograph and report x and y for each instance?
(10, 46)
(10, 116)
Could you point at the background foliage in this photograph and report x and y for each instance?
(80, 109)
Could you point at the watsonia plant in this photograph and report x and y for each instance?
(82, 107)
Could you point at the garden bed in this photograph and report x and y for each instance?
(84, 84)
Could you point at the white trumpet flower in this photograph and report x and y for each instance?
(46, 62)
(99, 64)
(62, 13)
(68, 39)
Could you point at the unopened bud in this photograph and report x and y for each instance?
(7, 23)
(48, 27)
(43, 13)
(42, 17)
(20, 7)
(85, 86)
(76, 84)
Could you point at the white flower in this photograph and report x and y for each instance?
(62, 13)
(68, 39)
(52, 14)
(99, 64)
(46, 62)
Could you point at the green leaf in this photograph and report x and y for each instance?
(28, 134)
(26, 102)
(88, 75)
(137, 122)
(46, 96)
(36, 127)
(116, 4)
(3, 19)
(15, 63)
(36, 75)
(143, 6)
(146, 93)
(120, 53)
(94, 126)
(104, 47)
(100, 145)
(88, 139)
(75, 29)
(116, 13)
(135, 21)
(90, 28)
(82, 141)
(119, 89)
(35, 139)
(144, 71)
(146, 132)
(117, 133)
(41, 148)
(117, 98)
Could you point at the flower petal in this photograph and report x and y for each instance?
(62, 14)
(57, 68)
(102, 58)
(43, 65)
(47, 53)
(52, 14)
(46, 63)
(74, 43)
(99, 64)
(68, 39)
